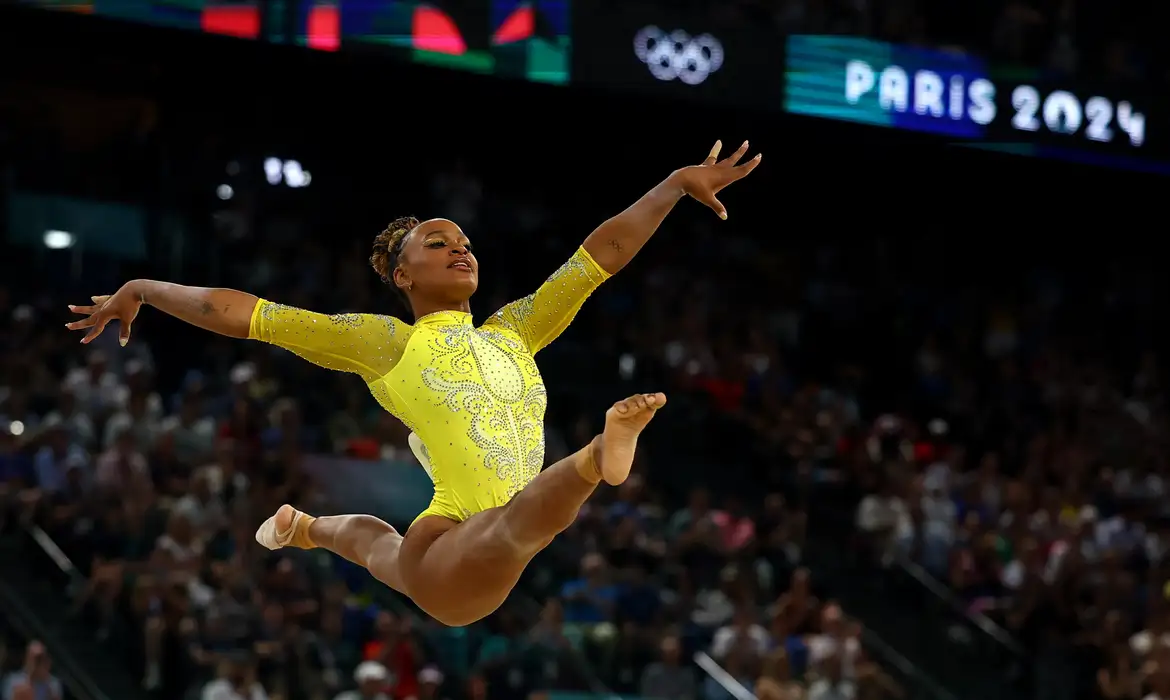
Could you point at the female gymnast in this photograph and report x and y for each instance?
(472, 397)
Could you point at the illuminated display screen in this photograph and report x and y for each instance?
(511, 38)
(872, 82)
(526, 39)
(239, 18)
(663, 49)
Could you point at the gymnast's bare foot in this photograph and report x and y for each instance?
(623, 423)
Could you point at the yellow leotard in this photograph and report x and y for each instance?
(473, 395)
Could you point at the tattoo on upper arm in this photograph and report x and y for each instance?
(615, 244)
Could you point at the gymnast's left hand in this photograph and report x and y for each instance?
(705, 180)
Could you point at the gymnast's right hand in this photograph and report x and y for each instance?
(123, 305)
(707, 179)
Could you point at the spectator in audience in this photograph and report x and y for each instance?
(430, 681)
(831, 683)
(668, 678)
(590, 600)
(235, 680)
(371, 678)
(776, 681)
(57, 458)
(35, 679)
(742, 633)
(838, 640)
(95, 388)
(884, 522)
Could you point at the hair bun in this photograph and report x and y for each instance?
(385, 254)
(395, 236)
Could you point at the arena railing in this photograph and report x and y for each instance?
(727, 681)
(919, 615)
(921, 685)
(842, 515)
(924, 685)
(21, 616)
(943, 593)
(909, 643)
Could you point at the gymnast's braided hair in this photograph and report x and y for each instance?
(388, 247)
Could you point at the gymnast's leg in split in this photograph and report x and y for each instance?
(461, 572)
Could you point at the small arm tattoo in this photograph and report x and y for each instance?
(615, 244)
(206, 308)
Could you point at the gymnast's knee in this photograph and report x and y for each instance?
(463, 613)
(455, 618)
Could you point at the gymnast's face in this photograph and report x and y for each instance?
(437, 261)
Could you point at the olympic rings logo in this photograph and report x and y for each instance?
(678, 55)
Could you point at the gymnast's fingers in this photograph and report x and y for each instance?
(100, 299)
(714, 154)
(98, 327)
(713, 202)
(741, 171)
(83, 309)
(124, 334)
(734, 157)
(87, 322)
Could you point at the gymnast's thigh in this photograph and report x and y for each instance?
(459, 572)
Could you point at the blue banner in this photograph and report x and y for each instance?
(396, 491)
(872, 82)
(117, 230)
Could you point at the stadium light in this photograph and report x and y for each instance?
(288, 172)
(58, 240)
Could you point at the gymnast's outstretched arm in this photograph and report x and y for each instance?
(223, 311)
(364, 344)
(543, 315)
(614, 243)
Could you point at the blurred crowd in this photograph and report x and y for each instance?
(1053, 525)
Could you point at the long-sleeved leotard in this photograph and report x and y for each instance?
(472, 395)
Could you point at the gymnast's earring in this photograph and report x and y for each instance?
(410, 286)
